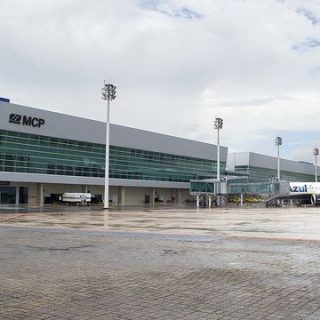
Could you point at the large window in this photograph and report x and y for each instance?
(20, 152)
(257, 174)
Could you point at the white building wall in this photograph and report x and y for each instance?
(135, 195)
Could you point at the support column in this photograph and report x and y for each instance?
(241, 199)
(198, 201)
(84, 189)
(152, 196)
(123, 195)
(179, 196)
(210, 201)
(17, 195)
(41, 196)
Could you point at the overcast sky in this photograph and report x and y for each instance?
(176, 64)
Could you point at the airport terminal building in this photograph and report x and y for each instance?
(44, 154)
(263, 168)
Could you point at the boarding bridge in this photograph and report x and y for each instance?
(261, 188)
(199, 187)
(208, 190)
(211, 189)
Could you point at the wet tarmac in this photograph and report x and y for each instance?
(160, 263)
(271, 223)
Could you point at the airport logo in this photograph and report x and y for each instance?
(15, 118)
(26, 120)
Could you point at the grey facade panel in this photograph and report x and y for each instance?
(43, 178)
(75, 128)
(46, 178)
(149, 184)
(263, 161)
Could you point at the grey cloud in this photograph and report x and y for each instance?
(250, 102)
(315, 70)
(165, 8)
(312, 17)
(308, 43)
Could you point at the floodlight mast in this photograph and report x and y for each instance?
(278, 143)
(316, 153)
(108, 94)
(218, 124)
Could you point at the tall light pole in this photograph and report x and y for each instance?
(108, 93)
(316, 153)
(218, 123)
(278, 143)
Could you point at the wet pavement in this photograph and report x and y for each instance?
(163, 263)
(273, 223)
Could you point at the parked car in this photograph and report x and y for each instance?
(274, 204)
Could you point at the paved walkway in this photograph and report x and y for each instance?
(64, 273)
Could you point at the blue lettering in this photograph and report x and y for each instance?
(299, 188)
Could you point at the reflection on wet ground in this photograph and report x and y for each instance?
(275, 223)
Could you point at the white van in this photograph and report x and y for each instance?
(77, 198)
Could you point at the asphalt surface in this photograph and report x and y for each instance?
(160, 264)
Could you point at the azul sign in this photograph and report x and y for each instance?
(26, 120)
(298, 188)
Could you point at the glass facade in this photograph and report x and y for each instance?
(7, 195)
(257, 174)
(21, 152)
(252, 187)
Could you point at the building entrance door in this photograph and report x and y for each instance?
(7, 195)
(23, 195)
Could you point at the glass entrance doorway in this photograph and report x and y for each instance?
(7, 195)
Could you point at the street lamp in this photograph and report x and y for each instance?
(278, 143)
(316, 153)
(218, 123)
(108, 93)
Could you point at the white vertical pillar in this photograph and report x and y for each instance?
(210, 201)
(41, 197)
(106, 179)
(218, 154)
(278, 142)
(315, 167)
(198, 201)
(179, 196)
(123, 195)
(218, 125)
(278, 162)
(241, 199)
(17, 195)
(152, 196)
